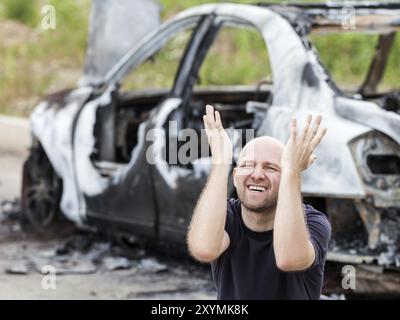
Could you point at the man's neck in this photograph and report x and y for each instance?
(257, 221)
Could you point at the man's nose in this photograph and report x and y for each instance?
(258, 173)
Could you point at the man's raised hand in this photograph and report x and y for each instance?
(218, 139)
(298, 154)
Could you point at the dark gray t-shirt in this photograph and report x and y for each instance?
(247, 269)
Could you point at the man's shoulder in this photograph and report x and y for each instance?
(311, 211)
(316, 217)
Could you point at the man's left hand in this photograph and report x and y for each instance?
(298, 154)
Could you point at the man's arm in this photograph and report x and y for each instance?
(292, 246)
(207, 237)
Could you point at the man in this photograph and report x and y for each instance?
(267, 244)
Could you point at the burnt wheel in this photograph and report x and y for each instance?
(41, 191)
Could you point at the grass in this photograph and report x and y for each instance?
(36, 61)
(21, 10)
(356, 52)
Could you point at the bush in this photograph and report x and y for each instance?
(21, 10)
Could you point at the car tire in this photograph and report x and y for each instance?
(41, 191)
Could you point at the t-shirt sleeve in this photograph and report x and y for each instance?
(320, 233)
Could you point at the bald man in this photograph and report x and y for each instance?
(266, 244)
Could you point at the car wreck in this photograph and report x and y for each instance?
(88, 155)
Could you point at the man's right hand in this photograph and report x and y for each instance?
(207, 238)
(218, 139)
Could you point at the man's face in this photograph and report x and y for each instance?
(258, 174)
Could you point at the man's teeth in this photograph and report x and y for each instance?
(257, 188)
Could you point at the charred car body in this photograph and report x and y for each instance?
(88, 155)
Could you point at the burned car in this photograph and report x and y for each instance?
(89, 156)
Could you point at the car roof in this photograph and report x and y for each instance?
(305, 18)
(326, 17)
(323, 17)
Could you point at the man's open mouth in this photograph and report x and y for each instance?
(256, 188)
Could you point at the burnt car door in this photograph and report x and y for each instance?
(62, 124)
(120, 194)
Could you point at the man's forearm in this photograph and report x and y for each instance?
(292, 247)
(207, 227)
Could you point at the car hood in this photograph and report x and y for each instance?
(115, 26)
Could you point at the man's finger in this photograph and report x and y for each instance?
(207, 124)
(314, 130)
(293, 128)
(205, 121)
(209, 131)
(207, 128)
(306, 127)
(210, 116)
(218, 121)
(318, 137)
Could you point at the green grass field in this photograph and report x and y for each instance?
(35, 62)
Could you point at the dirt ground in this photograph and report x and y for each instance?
(98, 271)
